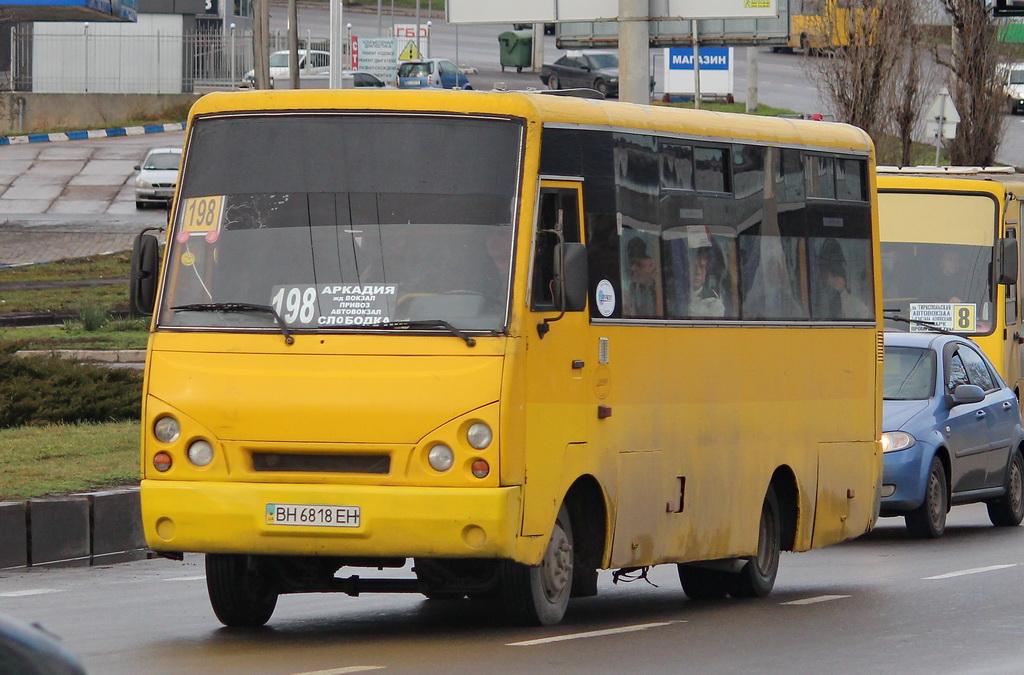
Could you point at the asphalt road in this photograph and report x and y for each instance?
(884, 601)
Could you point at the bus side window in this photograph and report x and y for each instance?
(558, 211)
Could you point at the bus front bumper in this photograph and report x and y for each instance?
(380, 521)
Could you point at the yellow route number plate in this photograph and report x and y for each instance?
(202, 214)
(313, 515)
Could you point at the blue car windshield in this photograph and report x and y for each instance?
(909, 374)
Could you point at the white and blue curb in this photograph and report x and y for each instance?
(95, 133)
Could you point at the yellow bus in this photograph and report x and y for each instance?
(950, 256)
(494, 342)
(820, 25)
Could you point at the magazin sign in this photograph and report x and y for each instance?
(716, 71)
(711, 58)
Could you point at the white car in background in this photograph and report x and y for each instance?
(311, 62)
(1014, 73)
(158, 177)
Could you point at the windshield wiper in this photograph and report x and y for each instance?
(425, 323)
(917, 322)
(237, 307)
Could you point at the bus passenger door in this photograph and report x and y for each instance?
(557, 365)
(1011, 314)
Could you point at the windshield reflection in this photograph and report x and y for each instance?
(933, 282)
(290, 251)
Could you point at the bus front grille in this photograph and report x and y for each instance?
(321, 463)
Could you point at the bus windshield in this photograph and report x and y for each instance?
(419, 229)
(938, 263)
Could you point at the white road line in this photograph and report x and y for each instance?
(31, 591)
(591, 634)
(198, 577)
(976, 570)
(815, 600)
(341, 671)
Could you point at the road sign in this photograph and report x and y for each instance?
(942, 113)
(410, 53)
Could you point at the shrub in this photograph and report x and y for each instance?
(38, 390)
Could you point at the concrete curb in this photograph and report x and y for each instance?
(73, 530)
(94, 355)
(95, 133)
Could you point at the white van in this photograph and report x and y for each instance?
(1014, 86)
(311, 62)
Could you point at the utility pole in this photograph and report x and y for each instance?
(634, 47)
(261, 28)
(293, 44)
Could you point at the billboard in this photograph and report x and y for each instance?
(674, 33)
(550, 11)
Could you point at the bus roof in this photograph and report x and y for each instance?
(544, 108)
(995, 183)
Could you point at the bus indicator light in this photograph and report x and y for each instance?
(481, 468)
(161, 461)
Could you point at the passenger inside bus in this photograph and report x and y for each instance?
(641, 295)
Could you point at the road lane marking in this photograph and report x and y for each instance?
(30, 591)
(591, 634)
(815, 600)
(342, 671)
(198, 577)
(975, 570)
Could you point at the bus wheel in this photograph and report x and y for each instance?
(1008, 510)
(538, 596)
(241, 593)
(701, 583)
(928, 521)
(757, 577)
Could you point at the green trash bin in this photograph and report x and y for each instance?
(516, 47)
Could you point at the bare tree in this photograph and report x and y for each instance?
(975, 83)
(858, 77)
(907, 101)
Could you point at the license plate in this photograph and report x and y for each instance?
(314, 515)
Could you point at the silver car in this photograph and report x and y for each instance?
(158, 177)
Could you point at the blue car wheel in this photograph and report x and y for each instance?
(928, 521)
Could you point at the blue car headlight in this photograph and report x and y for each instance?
(897, 440)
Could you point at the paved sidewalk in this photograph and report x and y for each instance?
(73, 199)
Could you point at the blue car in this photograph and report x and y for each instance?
(431, 73)
(952, 433)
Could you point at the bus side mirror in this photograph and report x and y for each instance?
(144, 267)
(1008, 261)
(571, 282)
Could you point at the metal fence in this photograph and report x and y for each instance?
(48, 60)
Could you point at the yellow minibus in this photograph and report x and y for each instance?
(493, 342)
(950, 257)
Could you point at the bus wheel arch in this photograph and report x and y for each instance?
(589, 515)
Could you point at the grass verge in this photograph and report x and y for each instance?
(62, 458)
(118, 334)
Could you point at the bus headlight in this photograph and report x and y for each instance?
(897, 440)
(441, 457)
(200, 453)
(166, 429)
(479, 436)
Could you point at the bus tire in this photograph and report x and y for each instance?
(242, 595)
(1008, 510)
(539, 595)
(701, 583)
(756, 578)
(928, 521)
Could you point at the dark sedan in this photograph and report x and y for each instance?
(589, 70)
(952, 433)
